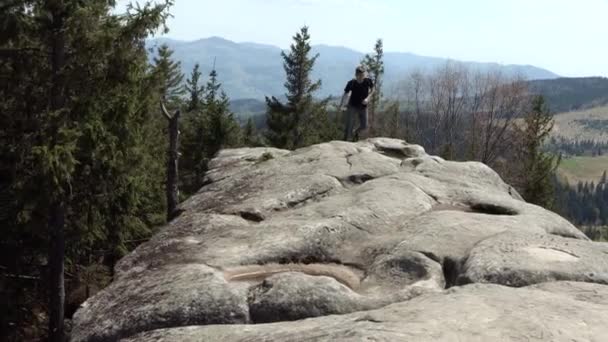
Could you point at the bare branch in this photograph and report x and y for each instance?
(164, 110)
(20, 276)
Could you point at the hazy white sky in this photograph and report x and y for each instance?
(569, 37)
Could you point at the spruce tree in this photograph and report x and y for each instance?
(169, 73)
(538, 166)
(208, 129)
(375, 67)
(78, 160)
(250, 134)
(195, 89)
(289, 123)
(222, 129)
(170, 79)
(192, 164)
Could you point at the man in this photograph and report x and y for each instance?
(360, 90)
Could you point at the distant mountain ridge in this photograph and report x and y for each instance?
(252, 70)
(576, 93)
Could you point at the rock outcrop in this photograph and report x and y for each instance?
(373, 240)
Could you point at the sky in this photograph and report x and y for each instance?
(568, 37)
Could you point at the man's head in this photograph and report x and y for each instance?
(360, 73)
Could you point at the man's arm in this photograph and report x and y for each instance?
(343, 100)
(369, 96)
(347, 91)
(372, 89)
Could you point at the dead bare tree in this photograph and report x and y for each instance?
(172, 187)
(448, 96)
(410, 93)
(462, 114)
(498, 101)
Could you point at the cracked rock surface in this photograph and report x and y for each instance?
(373, 241)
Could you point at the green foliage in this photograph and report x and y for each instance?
(585, 205)
(296, 123)
(250, 134)
(209, 127)
(538, 167)
(77, 129)
(566, 94)
(596, 233)
(195, 90)
(222, 130)
(169, 74)
(375, 67)
(389, 122)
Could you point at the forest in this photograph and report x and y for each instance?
(99, 143)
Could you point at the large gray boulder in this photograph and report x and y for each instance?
(373, 240)
(558, 312)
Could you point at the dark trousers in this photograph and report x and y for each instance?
(351, 112)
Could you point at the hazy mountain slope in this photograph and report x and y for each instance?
(250, 70)
(566, 94)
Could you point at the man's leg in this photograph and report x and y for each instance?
(363, 124)
(348, 123)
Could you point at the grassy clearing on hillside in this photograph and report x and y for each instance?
(583, 168)
(591, 124)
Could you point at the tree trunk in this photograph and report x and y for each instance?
(56, 267)
(172, 166)
(56, 222)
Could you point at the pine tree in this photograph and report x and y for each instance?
(538, 166)
(209, 128)
(195, 91)
(391, 123)
(170, 78)
(375, 66)
(222, 129)
(76, 154)
(193, 150)
(291, 124)
(169, 73)
(250, 135)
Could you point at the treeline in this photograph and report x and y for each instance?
(567, 147)
(567, 94)
(585, 203)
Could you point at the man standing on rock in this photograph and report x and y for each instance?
(360, 90)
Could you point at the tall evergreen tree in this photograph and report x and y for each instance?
(170, 78)
(195, 89)
(193, 150)
(209, 128)
(289, 124)
(249, 134)
(375, 66)
(538, 166)
(222, 128)
(75, 130)
(170, 74)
